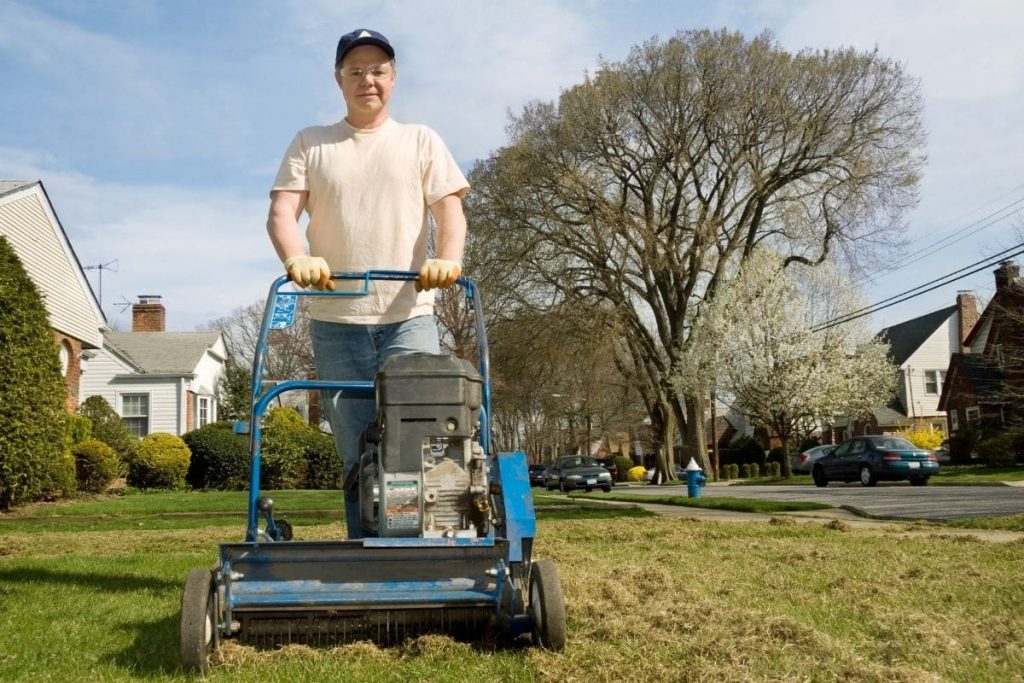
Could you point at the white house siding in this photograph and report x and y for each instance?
(933, 354)
(166, 394)
(34, 232)
(208, 371)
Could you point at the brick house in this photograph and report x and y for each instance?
(158, 381)
(30, 224)
(985, 380)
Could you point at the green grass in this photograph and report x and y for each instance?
(648, 598)
(977, 474)
(766, 507)
(1007, 523)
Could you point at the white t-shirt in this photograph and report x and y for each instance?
(368, 196)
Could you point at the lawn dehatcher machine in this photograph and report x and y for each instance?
(450, 522)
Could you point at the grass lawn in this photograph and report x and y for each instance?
(766, 507)
(648, 599)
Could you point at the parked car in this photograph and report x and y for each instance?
(873, 458)
(537, 474)
(571, 472)
(609, 464)
(804, 462)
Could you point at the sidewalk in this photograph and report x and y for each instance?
(847, 518)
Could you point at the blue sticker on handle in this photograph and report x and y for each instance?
(284, 312)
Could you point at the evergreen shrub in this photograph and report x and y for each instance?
(220, 458)
(282, 460)
(323, 465)
(33, 459)
(96, 465)
(160, 462)
(108, 427)
(624, 464)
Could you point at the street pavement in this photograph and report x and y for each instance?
(897, 500)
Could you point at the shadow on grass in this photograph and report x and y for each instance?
(154, 650)
(113, 583)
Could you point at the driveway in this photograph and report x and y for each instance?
(897, 500)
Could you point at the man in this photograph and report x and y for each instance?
(367, 183)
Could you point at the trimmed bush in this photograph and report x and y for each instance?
(283, 457)
(624, 464)
(160, 462)
(76, 429)
(734, 471)
(33, 459)
(108, 427)
(635, 473)
(1002, 449)
(323, 465)
(220, 458)
(755, 470)
(95, 465)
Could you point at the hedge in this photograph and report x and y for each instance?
(220, 458)
(160, 462)
(34, 461)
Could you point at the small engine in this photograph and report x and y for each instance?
(423, 471)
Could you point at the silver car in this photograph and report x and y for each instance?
(573, 472)
(804, 463)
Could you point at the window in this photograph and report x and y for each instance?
(135, 413)
(938, 426)
(65, 357)
(954, 420)
(204, 410)
(973, 414)
(933, 381)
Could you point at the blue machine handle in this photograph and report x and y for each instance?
(261, 398)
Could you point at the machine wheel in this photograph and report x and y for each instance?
(199, 612)
(919, 481)
(547, 606)
(867, 477)
(819, 477)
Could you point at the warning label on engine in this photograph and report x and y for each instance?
(403, 505)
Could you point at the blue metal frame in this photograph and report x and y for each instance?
(381, 573)
(261, 398)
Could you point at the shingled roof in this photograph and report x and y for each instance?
(162, 353)
(907, 337)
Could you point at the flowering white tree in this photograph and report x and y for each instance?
(758, 347)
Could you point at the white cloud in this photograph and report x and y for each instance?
(204, 252)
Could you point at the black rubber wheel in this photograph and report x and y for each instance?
(199, 635)
(820, 480)
(919, 481)
(547, 606)
(867, 477)
(606, 489)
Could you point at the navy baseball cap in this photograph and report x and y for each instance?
(362, 36)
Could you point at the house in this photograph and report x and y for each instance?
(30, 224)
(921, 348)
(985, 380)
(158, 381)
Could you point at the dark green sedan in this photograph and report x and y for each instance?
(870, 459)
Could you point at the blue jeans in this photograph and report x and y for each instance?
(344, 352)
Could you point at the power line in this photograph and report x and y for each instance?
(912, 293)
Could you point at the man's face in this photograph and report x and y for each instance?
(365, 96)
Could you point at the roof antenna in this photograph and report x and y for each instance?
(109, 265)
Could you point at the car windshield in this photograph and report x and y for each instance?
(892, 443)
(579, 461)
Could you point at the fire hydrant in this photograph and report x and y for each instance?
(695, 479)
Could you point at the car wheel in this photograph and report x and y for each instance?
(606, 489)
(820, 480)
(919, 481)
(867, 477)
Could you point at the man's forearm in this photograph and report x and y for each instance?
(283, 224)
(451, 228)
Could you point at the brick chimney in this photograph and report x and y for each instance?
(1006, 274)
(148, 315)
(967, 313)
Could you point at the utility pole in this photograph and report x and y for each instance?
(109, 265)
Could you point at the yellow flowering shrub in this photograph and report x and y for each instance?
(928, 440)
(636, 473)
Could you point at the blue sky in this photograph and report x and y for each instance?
(157, 127)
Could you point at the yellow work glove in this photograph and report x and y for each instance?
(308, 271)
(438, 272)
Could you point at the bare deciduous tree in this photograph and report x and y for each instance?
(650, 181)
